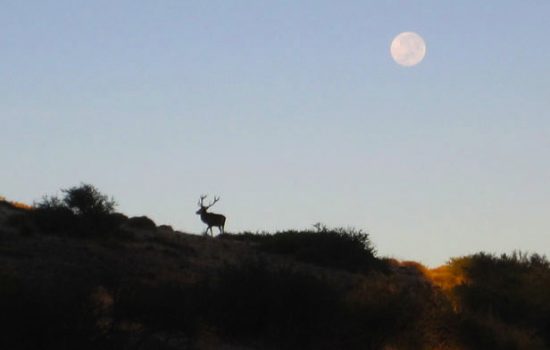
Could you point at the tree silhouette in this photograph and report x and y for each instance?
(87, 200)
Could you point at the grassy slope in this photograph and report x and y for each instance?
(140, 259)
(157, 289)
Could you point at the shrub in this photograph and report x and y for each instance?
(503, 293)
(166, 228)
(142, 223)
(52, 216)
(87, 200)
(342, 248)
(82, 211)
(117, 219)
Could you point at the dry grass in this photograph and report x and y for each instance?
(15, 204)
(446, 277)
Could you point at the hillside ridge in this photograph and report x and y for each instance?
(109, 281)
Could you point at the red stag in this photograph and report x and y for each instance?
(211, 219)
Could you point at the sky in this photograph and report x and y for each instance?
(293, 112)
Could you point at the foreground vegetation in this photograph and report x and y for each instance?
(74, 273)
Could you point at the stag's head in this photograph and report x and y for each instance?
(204, 208)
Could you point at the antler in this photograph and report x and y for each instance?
(214, 202)
(201, 204)
(201, 200)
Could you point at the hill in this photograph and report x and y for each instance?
(104, 281)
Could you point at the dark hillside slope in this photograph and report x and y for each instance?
(161, 289)
(124, 283)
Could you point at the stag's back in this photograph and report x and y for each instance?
(212, 219)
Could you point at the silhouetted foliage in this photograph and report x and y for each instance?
(281, 307)
(342, 248)
(117, 219)
(166, 228)
(53, 216)
(82, 211)
(504, 301)
(86, 200)
(141, 222)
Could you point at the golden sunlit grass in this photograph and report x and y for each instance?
(445, 277)
(20, 205)
(15, 204)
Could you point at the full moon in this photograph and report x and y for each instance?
(408, 49)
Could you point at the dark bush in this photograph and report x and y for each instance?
(117, 219)
(88, 201)
(141, 222)
(341, 248)
(52, 216)
(166, 228)
(287, 308)
(83, 211)
(256, 303)
(505, 293)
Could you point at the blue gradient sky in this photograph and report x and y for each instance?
(292, 111)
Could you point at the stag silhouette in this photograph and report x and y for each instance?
(211, 219)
